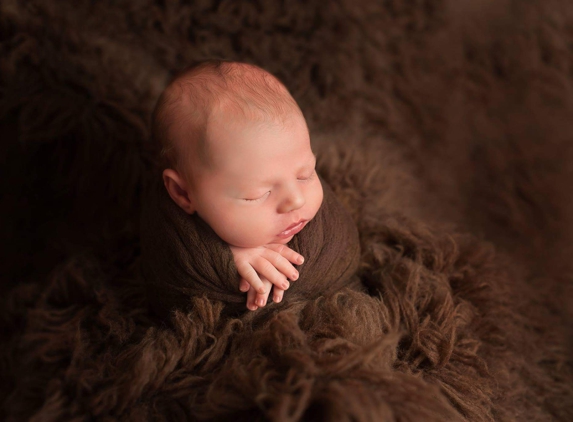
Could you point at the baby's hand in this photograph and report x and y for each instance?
(261, 268)
(254, 299)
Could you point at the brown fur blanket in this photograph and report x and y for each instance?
(442, 126)
(182, 258)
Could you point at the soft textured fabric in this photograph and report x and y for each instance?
(183, 258)
(443, 126)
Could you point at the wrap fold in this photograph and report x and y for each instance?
(183, 258)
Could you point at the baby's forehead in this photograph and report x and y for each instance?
(232, 91)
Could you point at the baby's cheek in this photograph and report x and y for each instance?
(248, 228)
(241, 218)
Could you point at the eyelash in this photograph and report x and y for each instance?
(256, 199)
(306, 179)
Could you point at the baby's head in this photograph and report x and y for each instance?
(237, 152)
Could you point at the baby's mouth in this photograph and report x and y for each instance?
(293, 229)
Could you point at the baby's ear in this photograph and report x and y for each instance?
(178, 190)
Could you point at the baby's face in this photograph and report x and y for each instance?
(262, 186)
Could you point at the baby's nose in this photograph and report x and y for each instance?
(293, 201)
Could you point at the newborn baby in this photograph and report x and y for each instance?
(237, 152)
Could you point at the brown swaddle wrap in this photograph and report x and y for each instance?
(182, 257)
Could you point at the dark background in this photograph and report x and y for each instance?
(466, 107)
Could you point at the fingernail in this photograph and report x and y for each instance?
(261, 302)
(286, 285)
(252, 307)
(300, 259)
(277, 299)
(294, 276)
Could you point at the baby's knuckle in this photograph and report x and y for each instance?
(267, 267)
(276, 260)
(249, 273)
(260, 263)
(279, 279)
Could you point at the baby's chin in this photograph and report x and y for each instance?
(252, 244)
(283, 241)
(255, 243)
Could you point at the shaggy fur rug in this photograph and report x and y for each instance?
(443, 126)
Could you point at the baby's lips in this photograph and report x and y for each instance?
(292, 230)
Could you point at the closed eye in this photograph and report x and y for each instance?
(257, 199)
(310, 177)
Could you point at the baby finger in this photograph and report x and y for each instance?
(278, 295)
(251, 296)
(244, 285)
(268, 271)
(250, 275)
(283, 266)
(261, 299)
(288, 253)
